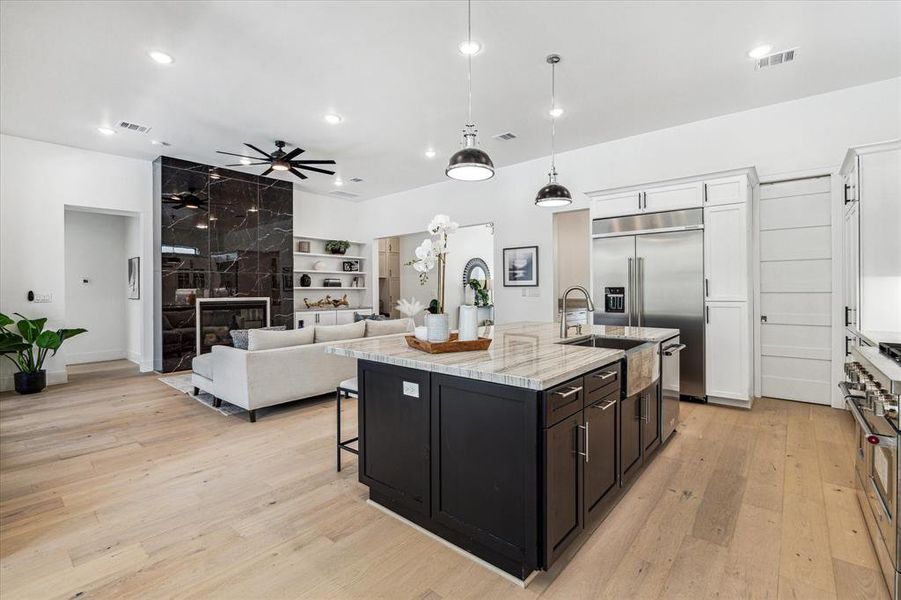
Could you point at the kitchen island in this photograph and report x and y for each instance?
(513, 452)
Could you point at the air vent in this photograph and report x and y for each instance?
(345, 195)
(133, 127)
(777, 58)
(356, 179)
(506, 136)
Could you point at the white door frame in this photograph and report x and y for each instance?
(838, 326)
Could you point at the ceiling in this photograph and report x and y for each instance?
(259, 71)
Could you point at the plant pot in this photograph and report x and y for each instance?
(30, 383)
(438, 327)
(333, 251)
(306, 280)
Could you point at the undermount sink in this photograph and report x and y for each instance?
(599, 341)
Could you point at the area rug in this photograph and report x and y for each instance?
(183, 384)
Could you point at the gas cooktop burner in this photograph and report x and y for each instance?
(893, 351)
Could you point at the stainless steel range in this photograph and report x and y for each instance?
(872, 391)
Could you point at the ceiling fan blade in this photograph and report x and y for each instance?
(266, 172)
(252, 147)
(293, 153)
(240, 155)
(248, 164)
(298, 173)
(313, 169)
(313, 162)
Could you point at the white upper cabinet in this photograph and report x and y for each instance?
(727, 347)
(614, 205)
(726, 252)
(726, 190)
(673, 197)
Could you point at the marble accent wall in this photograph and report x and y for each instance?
(238, 243)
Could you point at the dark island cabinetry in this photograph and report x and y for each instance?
(509, 474)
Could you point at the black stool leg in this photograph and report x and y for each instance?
(196, 390)
(252, 415)
(338, 439)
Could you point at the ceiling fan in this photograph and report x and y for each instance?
(188, 199)
(281, 160)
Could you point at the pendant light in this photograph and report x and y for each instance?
(470, 163)
(553, 194)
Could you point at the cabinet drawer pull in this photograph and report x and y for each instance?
(572, 390)
(605, 375)
(604, 406)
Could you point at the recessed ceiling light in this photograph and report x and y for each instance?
(430, 153)
(244, 161)
(469, 47)
(338, 182)
(106, 131)
(760, 51)
(555, 112)
(333, 119)
(161, 57)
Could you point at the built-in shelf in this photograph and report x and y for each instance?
(331, 272)
(330, 288)
(324, 239)
(316, 255)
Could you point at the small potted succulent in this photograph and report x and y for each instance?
(30, 344)
(337, 246)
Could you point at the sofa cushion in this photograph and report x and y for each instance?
(375, 328)
(203, 365)
(239, 336)
(334, 333)
(267, 339)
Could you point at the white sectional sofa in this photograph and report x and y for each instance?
(257, 378)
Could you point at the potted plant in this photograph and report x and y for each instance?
(337, 246)
(27, 346)
(432, 254)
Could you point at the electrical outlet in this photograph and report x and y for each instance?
(43, 298)
(411, 389)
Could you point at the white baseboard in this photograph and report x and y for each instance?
(53, 378)
(134, 357)
(145, 366)
(77, 358)
(730, 402)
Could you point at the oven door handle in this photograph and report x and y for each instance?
(670, 350)
(869, 435)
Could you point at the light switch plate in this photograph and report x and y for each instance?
(44, 298)
(411, 389)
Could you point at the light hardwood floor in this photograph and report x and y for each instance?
(118, 486)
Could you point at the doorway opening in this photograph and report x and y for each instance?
(470, 256)
(103, 292)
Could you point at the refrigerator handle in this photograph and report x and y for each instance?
(631, 295)
(639, 290)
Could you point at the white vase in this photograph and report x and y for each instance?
(468, 324)
(421, 333)
(438, 327)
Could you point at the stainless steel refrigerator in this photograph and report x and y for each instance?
(648, 271)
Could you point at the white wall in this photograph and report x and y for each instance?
(476, 241)
(96, 276)
(37, 181)
(326, 216)
(801, 135)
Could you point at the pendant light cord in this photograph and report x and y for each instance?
(469, 57)
(553, 118)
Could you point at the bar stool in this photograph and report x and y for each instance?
(347, 388)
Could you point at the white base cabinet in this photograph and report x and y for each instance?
(727, 347)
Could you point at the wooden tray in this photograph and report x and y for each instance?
(451, 345)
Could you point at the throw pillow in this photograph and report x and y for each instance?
(239, 336)
(373, 317)
(335, 333)
(266, 339)
(376, 328)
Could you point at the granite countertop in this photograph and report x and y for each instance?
(525, 355)
(874, 338)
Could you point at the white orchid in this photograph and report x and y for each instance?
(410, 308)
(441, 224)
(432, 252)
